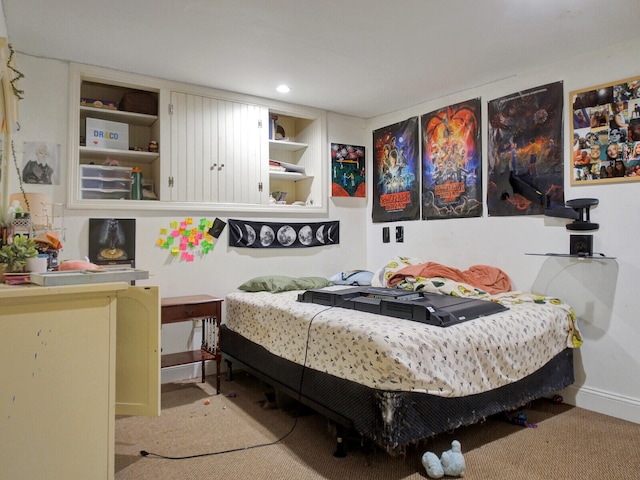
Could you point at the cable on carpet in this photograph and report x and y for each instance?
(145, 453)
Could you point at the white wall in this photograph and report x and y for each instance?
(43, 117)
(603, 295)
(606, 366)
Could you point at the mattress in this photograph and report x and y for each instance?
(392, 354)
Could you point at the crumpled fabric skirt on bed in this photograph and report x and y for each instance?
(392, 419)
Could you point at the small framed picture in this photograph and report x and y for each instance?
(348, 171)
(112, 241)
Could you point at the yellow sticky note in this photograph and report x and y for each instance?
(163, 231)
(175, 252)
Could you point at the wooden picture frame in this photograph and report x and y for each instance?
(605, 128)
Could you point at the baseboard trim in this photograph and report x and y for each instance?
(607, 403)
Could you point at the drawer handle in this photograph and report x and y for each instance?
(190, 312)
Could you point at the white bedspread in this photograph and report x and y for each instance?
(394, 354)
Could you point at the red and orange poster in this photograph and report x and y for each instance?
(452, 162)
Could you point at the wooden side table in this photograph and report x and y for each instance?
(187, 308)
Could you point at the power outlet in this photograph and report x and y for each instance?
(197, 323)
(385, 235)
(399, 234)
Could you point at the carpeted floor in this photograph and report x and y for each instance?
(568, 443)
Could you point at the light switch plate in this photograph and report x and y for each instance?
(385, 235)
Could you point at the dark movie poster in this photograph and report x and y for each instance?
(452, 162)
(526, 167)
(396, 187)
(112, 241)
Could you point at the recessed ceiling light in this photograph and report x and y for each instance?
(283, 88)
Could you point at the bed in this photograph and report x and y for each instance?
(397, 382)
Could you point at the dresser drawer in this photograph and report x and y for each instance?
(179, 313)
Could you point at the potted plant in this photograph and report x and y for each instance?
(13, 257)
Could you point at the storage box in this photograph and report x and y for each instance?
(105, 172)
(102, 194)
(139, 102)
(106, 184)
(107, 134)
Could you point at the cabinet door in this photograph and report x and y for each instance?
(218, 150)
(138, 352)
(242, 153)
(194, 148)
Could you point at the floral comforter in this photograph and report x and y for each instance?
(394, 354)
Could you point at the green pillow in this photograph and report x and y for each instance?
(280, 283)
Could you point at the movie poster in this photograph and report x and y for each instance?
(452, 162)
(395, 172)
(526, 167)
(347, 171)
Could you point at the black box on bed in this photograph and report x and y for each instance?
(366, 304)
(330, 298)
(431, 308)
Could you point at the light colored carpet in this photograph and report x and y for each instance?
(569, 443)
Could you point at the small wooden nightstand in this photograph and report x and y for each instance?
(190, 307)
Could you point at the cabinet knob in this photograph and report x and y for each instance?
(213, 166)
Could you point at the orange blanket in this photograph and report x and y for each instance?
(484, 277)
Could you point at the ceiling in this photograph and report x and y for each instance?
(355, 57)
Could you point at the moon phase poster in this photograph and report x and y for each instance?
(396, 185)
(282, 235)
(452, 162)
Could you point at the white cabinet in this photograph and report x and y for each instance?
(218, 150)
(74, 357)
(214, 148)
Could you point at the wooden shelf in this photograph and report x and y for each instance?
(292, 176)
(131, 118)
(188, 308)
(184, 358)
(90, 153)
(287, 146)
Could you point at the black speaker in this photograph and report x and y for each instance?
(581, 245)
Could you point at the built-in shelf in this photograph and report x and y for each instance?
(132, 118)
(292, 176)
(287, 146)
(90, 153)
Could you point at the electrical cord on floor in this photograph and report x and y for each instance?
(145, 453)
